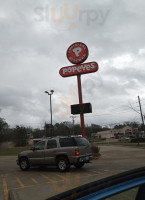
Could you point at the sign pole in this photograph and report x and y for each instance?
(80, 102)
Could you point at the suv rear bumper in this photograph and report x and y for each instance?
(81, 159)
(85, 159)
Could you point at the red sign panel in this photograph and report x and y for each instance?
(77, 53)
(78, 69)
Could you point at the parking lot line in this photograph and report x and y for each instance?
(34, 181)
(67, 178)
(46, 177)
(5, 188)
(64, 178)
(20, 182)
(52, 180)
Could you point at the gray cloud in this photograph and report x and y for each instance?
(32, 51)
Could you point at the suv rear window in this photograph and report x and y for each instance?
(67, 142)
(81, 141)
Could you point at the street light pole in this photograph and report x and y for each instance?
(73, 117)
(51, 110)
(50, 93)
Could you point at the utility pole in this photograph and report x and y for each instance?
(141, 114)
(73, 118)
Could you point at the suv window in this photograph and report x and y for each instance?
(67, 142)
(40, 145)
(51, 144)
(81, 141)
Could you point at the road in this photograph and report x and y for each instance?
(113, 160)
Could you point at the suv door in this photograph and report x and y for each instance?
(50, 152)
(37, 156)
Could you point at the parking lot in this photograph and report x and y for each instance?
(41, 183)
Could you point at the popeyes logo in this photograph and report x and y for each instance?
(77, 53)
(79, 69)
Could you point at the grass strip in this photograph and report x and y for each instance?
(12, 151)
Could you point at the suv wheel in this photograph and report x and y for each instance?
(24, 164)
(63, 164)
(79, 165)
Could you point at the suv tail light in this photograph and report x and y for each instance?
(77, 152)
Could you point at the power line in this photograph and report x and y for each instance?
(103, 114)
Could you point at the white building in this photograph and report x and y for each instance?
(126, 131)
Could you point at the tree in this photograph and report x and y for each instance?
(77, 129)
(119, 126)
(88, 130)
(62, 129)
(3, 124)
(131, 124)
(38, 133)
(96, 128)
(20, 136)
(3, 131)
(47, 129)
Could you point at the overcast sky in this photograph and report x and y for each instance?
(34, 37)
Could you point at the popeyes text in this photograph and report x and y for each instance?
(79, 69)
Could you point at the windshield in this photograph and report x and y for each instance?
(40, 145)
(72, 74)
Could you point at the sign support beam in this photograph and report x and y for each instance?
(80, 102)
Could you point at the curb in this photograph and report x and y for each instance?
(13, 195)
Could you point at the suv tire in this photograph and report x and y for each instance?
(63, 164)
(24, 164)
(79, 165)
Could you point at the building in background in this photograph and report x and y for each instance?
(116, 133)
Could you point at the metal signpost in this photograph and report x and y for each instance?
(77, 53)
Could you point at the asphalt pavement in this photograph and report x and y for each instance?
(41, 183)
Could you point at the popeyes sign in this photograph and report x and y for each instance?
(77, 53)
(79, 69)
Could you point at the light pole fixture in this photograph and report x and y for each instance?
(50, 93)
(73, 119)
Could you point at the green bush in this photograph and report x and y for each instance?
(95, 149)
(94, 139)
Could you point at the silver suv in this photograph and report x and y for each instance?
(60, 151)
